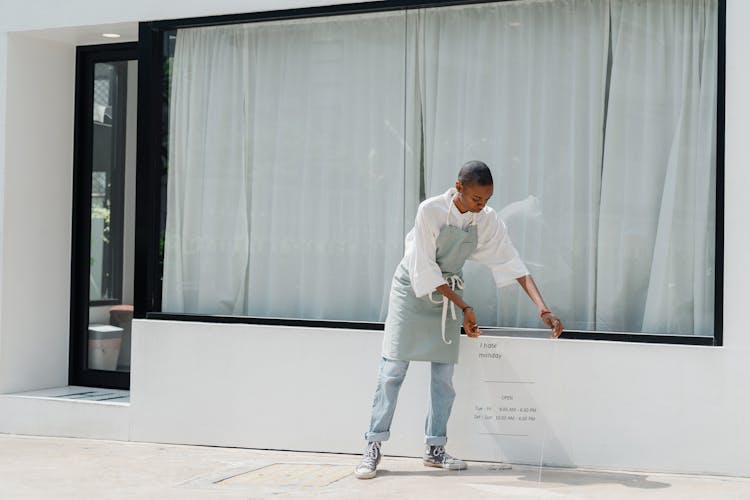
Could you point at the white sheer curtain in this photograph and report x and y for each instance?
(605, 178)
(656, 239)
(287, 168)
(521, 86)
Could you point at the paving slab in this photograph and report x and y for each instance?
(69, 468)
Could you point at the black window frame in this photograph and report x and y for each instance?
(87, 56)
(151, 130)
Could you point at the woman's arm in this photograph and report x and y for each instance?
(529, 286)
(470, 320)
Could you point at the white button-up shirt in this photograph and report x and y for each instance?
(494, 249)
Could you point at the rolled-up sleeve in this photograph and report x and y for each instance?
(423, 270)
(496, 251)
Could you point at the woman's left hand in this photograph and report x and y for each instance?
(554, 323)
(470, 324)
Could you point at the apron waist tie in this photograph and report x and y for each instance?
(453, 281)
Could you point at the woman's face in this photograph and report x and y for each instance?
(472, 197)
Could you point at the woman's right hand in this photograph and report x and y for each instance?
(470, 324)
(553, 323)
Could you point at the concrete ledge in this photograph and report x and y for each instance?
(43, 416)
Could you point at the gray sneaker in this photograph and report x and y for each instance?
(370, 460)
(435, 456)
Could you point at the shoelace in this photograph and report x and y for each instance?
(439, 453)
(371, 456)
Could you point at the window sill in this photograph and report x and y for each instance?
(646, 338)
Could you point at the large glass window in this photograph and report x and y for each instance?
(299, 150)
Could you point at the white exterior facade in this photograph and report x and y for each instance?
(599, 404)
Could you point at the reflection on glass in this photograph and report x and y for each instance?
(110, 80)
(112, 215)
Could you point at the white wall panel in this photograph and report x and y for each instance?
(629, 406)
(37, 191)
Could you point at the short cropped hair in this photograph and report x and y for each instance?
(475, 172)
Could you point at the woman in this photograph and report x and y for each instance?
(449, 229)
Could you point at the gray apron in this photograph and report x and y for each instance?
(419, 329)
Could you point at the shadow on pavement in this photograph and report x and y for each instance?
(583, 478)
(548, 477)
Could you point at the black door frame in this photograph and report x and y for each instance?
(86, 58)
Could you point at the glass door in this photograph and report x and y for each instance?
(104, 215)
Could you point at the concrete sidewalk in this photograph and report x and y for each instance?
(41, 467)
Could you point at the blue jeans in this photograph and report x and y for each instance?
(390, 377)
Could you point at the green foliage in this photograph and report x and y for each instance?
(102, 213)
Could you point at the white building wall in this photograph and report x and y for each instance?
(677, 408)
(737, 160)
(37, 198)
(3, 79)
